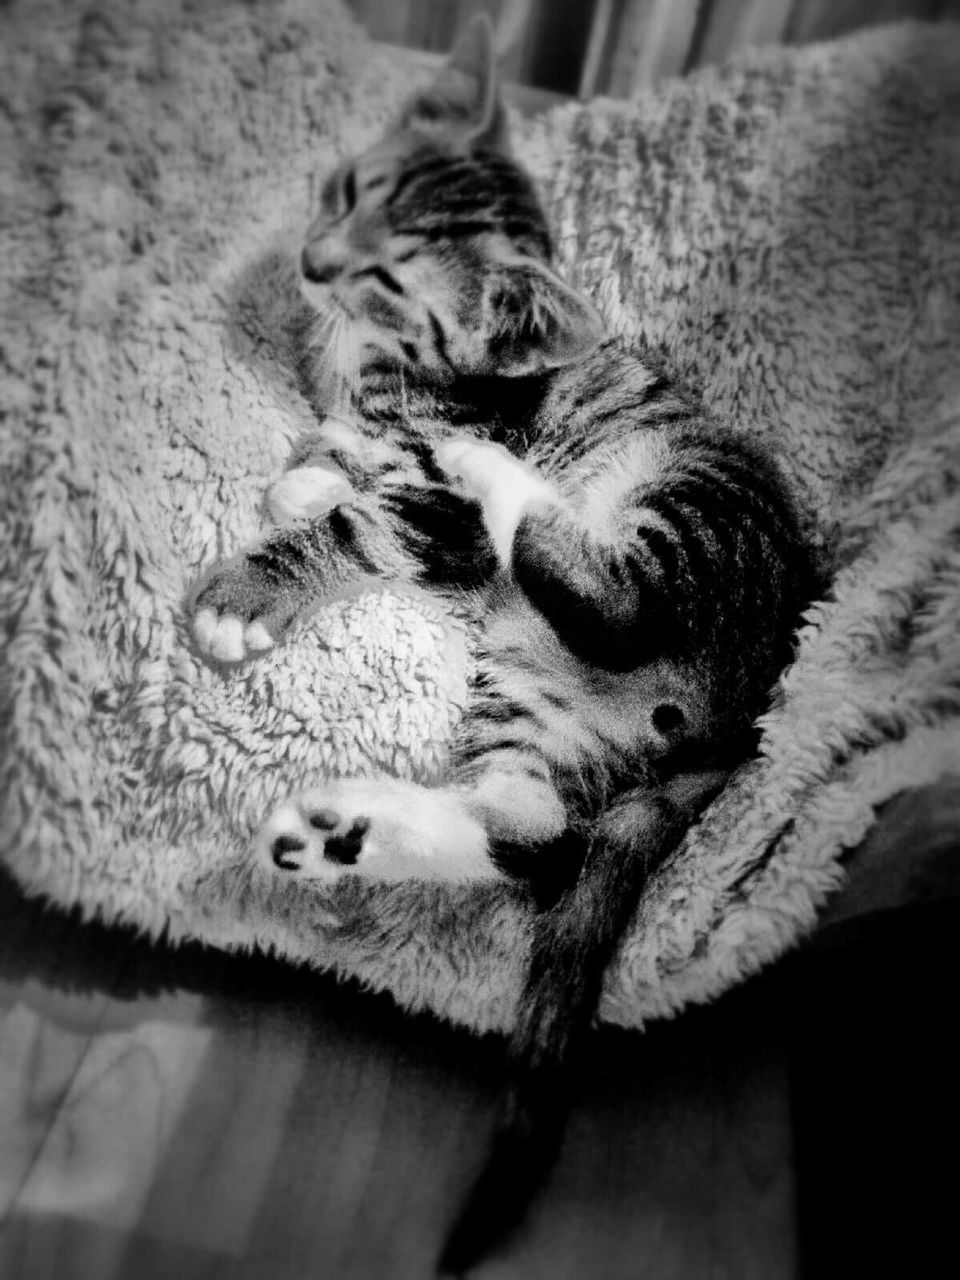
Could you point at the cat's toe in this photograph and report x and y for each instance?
(220, 637)
(205, 628)
(227, 642)
(226, 638)
(257, 639)
(237, 612)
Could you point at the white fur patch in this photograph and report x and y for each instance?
(501, 483)
(403, 832)
(257, 638)
(225, 637)
(337, 433)
(306, 493)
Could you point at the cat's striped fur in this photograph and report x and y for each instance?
(644, 570)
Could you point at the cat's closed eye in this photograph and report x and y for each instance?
(339, 195)
(349, 191)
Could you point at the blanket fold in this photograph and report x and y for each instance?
(787, 227)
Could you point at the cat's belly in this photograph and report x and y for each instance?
(588, 713)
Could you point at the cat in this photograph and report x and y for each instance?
(642, 569)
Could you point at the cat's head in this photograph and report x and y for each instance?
(433, 245)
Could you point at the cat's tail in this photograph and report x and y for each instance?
(572, 946)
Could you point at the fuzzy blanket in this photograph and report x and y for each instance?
(788, 226)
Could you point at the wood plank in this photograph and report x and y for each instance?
(558, 35)
(389, 23)
(526, 98)
(730, 25)
(323, 1132)
(514, 40)
(824, 19)
(372, 1194)
(601, 28)
(910, 857)
(55, 1247)
(754, 1221)
(436, 26)
(874, 1067)
(679, 1151)
(101, 1150)
(514, 19)
(652, 42)
(37, 1068)
(219, 1158)
(312, 1130)
(38, 1062)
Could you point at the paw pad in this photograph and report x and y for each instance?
(345, 849)
(324, 819)
(340, 841)
(282, 848)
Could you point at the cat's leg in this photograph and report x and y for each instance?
(333, 531)
(243, 606)
(329, 464)
(602, 582)
(317, 477)
(503, 485)
(380, 828)
(389, 829)
(306, 493)
(400, 533)
(391, 532)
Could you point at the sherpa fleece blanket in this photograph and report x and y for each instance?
(788, 226)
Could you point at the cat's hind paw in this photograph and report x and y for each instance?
(379, 828)
(332, 844)
(238, 611)
(227, 638)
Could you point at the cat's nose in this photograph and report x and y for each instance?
(319, 268)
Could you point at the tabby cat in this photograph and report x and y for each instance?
(644, 570)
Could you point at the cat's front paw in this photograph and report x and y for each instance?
(307, 493)
(479, 467)
(238, 612)
(381, 828)
(502, 484)
(333, 438)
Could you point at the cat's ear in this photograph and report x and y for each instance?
(463, 104)
(535, 321)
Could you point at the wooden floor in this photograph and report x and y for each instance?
(188, 1114)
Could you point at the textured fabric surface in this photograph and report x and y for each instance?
(789, 227)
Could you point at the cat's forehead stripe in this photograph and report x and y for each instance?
(452, 196)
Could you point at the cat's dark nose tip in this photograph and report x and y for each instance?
(318, 270)
(282, 847)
